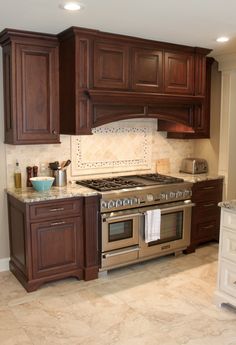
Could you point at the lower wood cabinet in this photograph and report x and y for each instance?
(50, 240)
(57, 246)
(205, 223)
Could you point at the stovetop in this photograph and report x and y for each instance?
(132, 181)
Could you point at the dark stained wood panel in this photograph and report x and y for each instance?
(179, 73)
(205, 222)
(147, 70)
(37, 98)
(57, 246)
(111, 65)
(31, 87)
(54, 239)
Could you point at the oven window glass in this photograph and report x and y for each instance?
(171, 227)
(120, 230)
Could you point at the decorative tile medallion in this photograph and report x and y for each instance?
(112, 149)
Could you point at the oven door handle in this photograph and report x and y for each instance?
(120, 252)
(176, 208)
(130, 215)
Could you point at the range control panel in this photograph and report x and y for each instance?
(129, 199)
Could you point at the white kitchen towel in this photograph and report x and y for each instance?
(152, 225)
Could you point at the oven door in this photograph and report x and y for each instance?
(174, 232)
(120, 230)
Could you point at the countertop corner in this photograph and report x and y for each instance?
(29, 195)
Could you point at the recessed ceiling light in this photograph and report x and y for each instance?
(222, 39)
(72, 6)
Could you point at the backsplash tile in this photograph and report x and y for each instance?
(131, 146)
(115, 149)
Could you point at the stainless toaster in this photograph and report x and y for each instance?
(194, 166)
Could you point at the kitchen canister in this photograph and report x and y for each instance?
(60, 178)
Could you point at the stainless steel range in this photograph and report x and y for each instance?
(125, 204)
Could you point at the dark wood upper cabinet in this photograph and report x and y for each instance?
(111, 65)
(147, 70)
(31, 87)
(92, 78)
(179, 73)
(107, 77)
(201, 112)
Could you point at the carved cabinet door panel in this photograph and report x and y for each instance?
(57, 246)
(37, 93)
(111, 65)
(179, 73)
(147, 70)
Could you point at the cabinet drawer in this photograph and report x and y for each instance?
(228, 245)
(205, 230)
(227, 276)
(207, 191)
(56, 209)
(229, 219)
(209, 209)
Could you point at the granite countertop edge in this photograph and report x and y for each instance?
(29, 195)
(229, 204)
(197, 177)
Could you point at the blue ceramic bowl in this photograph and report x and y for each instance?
(42, 183)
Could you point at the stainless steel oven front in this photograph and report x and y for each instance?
(123, 234)
(120, 237)
(174, 230)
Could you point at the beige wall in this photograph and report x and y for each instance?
(4, 247)
(209, 148)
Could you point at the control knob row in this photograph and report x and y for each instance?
(119, 202)
(175, 195)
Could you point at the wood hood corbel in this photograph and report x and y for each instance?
(109, 106)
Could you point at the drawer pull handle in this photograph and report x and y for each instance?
(208, 188)
(208, 227)
(58, 223)
(209, 205)
(57, 209)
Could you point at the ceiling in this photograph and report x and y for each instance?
(190, 22)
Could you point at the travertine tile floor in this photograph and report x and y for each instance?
(167, 301)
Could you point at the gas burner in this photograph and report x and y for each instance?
(161, 179)
(107, 184)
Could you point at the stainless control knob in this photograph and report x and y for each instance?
(135, 201)
(126, 202)
(163, 196)
(103, 204)
(111, 204)
(179, 194)
(119, 202)
(187, 193)
(150, 197)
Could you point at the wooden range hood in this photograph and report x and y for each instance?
(107, 77)
(108, 106)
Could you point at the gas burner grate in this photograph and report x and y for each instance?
(162, 179)
(104, 185)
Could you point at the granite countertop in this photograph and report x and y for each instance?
(231, 205)
(70, 191)
(198, 177)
